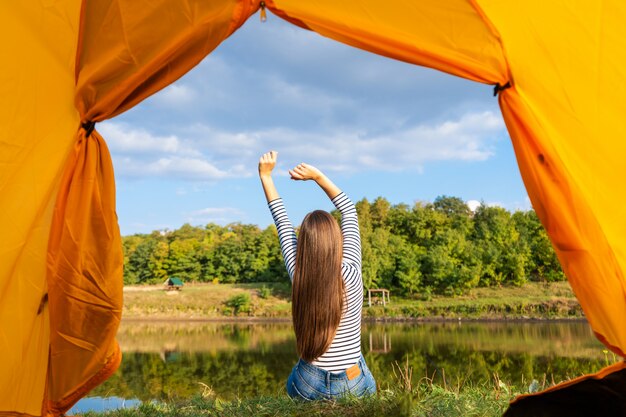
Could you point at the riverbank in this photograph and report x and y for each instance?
(270, 301)
(488, 400)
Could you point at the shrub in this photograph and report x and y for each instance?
(265, 292)
(240, 303)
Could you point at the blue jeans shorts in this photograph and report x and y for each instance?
(309, 382)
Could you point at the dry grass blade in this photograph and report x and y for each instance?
(404, 375)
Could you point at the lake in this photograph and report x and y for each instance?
(169, 360)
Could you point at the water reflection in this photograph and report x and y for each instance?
(101, 404)
(174, 360)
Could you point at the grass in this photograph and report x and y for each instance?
(530, 301)
(269, 300)
(404, 397)
(426, 399)
(206, 301)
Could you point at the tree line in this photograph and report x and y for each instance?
(438, 247)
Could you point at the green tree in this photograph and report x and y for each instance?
(543, 265)
(457, 212)
(377, 256)
(147, 264)
(439, 246)
(158, 261)
(379, 211)
(129, 245)
(503, 254)
(182, 259)
(407, 275)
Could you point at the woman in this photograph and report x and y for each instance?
(324, 265)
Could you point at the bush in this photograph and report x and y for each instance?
(265, 292)
(240, 303)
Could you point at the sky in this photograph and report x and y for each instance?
(375, 126)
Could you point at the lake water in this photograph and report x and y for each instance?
(163, 361)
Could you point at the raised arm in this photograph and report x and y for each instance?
(305, 172)
(349, 230)
(349, 219)
(267, 162)
(286, 234)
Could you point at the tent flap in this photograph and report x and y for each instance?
(129, 50)
(567, 130)
(450, 36)
(37, 123)
(600, 394)
(84, 275)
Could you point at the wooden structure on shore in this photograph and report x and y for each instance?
(381, 291)
(173, 284)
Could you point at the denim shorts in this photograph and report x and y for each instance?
(309, 382)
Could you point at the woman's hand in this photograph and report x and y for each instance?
(267, 162)
(303, 172)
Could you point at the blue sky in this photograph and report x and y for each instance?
(377, 127)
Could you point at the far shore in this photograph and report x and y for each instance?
(368, 320)
(270, 302)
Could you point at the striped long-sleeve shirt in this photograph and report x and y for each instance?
(345, 349)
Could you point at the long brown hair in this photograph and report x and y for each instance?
(318, 289)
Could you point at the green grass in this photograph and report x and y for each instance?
(532, 300)
(268, 300)
(206, 301)
(424, 400)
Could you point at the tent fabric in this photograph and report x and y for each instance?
(126, 52)
(37, 124)
(85, 263)
(451, 36)
(129, 50)
(83, 62)
(565, 118)
(599, 394)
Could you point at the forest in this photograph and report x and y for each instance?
(441, 248)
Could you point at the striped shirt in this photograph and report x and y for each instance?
(345, 349)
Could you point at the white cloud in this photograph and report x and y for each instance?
(138, 153)
(123, 139)
(305, 97)
(469, 138)
(206, 153)
(175, 95)
(194, 169)
(473, 204)
(220, 215)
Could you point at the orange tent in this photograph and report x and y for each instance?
(558, 67)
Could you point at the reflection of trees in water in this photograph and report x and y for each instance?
(572, 339)
(245, 374)
(253, 360)
(200, 336)
(461, 366)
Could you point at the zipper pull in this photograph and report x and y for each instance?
(263, 12)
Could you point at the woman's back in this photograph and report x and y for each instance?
(327, 291)
(345, 349)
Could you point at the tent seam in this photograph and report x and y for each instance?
(494, 31)
(244, 9)
(79, 43)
